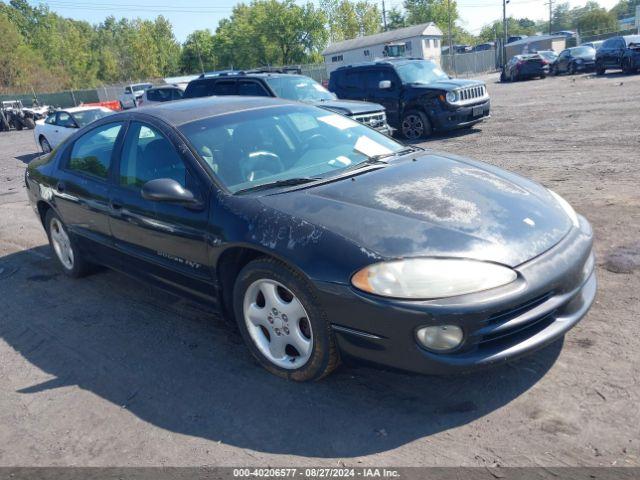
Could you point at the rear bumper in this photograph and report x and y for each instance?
(553, 292)
(460, 117)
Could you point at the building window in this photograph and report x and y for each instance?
(407, 46)
(336, 58)
(366, 53)
(436, 43)
(431, 45)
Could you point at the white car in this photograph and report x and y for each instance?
(58, 125)
(132, 93)
(161, 93)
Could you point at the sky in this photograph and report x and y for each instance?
(189, 15)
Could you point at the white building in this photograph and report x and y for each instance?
(419, 41)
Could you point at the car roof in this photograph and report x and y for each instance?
(189, 110)
(386, 61)
(166, 87)
(209, 77)
(84, 108)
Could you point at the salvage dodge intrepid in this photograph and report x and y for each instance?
(321, 236)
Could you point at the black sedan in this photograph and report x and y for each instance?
(523, 67)
(321, 237)
(575, 60)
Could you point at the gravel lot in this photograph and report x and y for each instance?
(106, 371)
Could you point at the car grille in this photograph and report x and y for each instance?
(517, 320)
(375, 120)
(471, 93)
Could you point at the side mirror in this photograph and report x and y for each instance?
(384, 84)
(167, 190)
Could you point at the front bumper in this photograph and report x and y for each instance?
(586, 66)
(460, 117)
(553, 292)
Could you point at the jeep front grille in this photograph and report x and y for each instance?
(469, 95)
(374, 120)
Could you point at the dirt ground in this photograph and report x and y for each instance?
(105, 371)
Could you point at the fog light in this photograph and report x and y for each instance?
(440, 338)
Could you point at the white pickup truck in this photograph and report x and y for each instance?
(132, 93)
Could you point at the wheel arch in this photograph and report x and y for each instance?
(229, 264)
(43, 208)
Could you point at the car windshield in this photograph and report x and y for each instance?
(548, 55)
(85, 117)
(582, 51)
(249, 149)
(299, 88)
(420, 71)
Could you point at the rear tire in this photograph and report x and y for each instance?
(415, 125)
(64, 247)
(282, 322)
(572, 69)
(29, 123)
(626, 67)
(600, 70)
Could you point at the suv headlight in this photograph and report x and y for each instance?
(568, 209)
(429, 278)
(451, 97)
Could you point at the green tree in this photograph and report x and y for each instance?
(395, 19)
(625, 8)
(198, 52)
(349, 19)
(596, 22)
(441, 12)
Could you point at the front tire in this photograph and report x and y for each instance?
(29, 123)
(64, 247)
(572, 69)
(282, 322)
(600, 70)
(415, 125)
(44, 145)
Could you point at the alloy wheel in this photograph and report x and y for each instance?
(278, 324)
(412, 127)
(61, 243)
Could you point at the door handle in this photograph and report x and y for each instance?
(60, 186)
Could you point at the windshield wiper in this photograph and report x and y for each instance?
(404, 151)
(289, 182)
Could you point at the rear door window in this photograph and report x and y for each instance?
(159, 94)
(224, 87)
(251, 88)
(91, 153)
(65, 120)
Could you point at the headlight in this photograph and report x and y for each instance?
(451, 97)
(568, 209)
(428, 278)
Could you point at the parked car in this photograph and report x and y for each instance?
(484, 46)
(418, 96)
(595, 45)
(565, 33)
(515, 38)
(619, 53)
(574, 60)
(523, 67)
(161, 93)
(548, 56)
(60, 124)
(132, 93)
(292, 87)
(321, 237)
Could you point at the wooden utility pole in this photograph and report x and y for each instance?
(504, 32)
(384, 16)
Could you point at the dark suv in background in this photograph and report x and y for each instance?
(418, 96)
(619, 53)
(292, 87)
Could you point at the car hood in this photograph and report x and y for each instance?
(350, 107)
(435, 206)
(448, 85)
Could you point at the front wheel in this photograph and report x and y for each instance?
(44, 145)
(415, 125)
(29, 123)
(572, 69)
(66, 252)
(282, 322)
(627, 68)
(600, 69)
